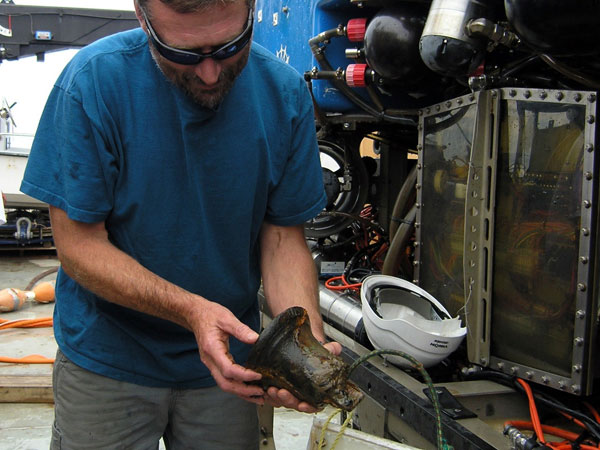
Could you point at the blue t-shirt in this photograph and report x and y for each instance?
(182, 189)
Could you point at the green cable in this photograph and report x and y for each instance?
(441, 442)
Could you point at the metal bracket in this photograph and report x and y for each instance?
(450, 405)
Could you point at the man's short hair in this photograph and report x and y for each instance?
(187, 6)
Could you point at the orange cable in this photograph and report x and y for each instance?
(535, 419)
(29, 359)
(564, 434)
(554, 431)
(593, 411)
(573, 419)
(343, 286)
(538, 428)
(379, 252)
(26, 323)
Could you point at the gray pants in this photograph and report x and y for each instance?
(96, 412)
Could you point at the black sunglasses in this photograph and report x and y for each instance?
(189, 58)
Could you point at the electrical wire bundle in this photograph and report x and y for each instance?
(370, 244)
(584, 423)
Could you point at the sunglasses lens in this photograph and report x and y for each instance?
(228, 52)
(182, 58)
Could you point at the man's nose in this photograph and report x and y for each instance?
(208, 71)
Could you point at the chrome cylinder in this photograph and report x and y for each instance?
(344, 313)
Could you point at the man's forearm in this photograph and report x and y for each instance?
(90, 259)
(289, 274)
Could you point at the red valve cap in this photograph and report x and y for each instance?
(356, 29)
(355, 75)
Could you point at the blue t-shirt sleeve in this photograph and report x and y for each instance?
(70, 165)
(300, 194)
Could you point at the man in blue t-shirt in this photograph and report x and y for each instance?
(179, 162)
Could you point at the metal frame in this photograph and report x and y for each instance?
(479, 229)
(582, 370)
(34, 30)
(395, 405)
(405, 404)
(457, 103)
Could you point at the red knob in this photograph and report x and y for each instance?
(355, 30)
(479, 71)
(355, 75)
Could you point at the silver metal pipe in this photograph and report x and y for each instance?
(343, 312)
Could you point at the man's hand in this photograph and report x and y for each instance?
(212, 326)
(284, 398)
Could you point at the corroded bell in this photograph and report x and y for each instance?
(288, 356)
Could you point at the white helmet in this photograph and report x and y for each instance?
(399, 315)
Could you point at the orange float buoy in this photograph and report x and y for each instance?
(11, 299)
(43, 292)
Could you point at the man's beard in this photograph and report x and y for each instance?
(193, 86)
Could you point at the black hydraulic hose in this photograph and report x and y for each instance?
(362, 117)
(569, 73)
(318, 113)
(374, 97)
(37, 278)
(326, 36)
(319, 55)
(516, 67)
(399, 242)
(401, 200)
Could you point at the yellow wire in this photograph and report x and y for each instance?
(340, 433)
(324, 430)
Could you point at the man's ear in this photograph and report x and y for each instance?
(140, 17)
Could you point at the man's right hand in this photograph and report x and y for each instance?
(212, 325)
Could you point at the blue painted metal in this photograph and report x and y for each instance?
(285, 26)
(24, 233)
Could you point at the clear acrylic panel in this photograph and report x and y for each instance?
(536, 236)
(447, 142)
